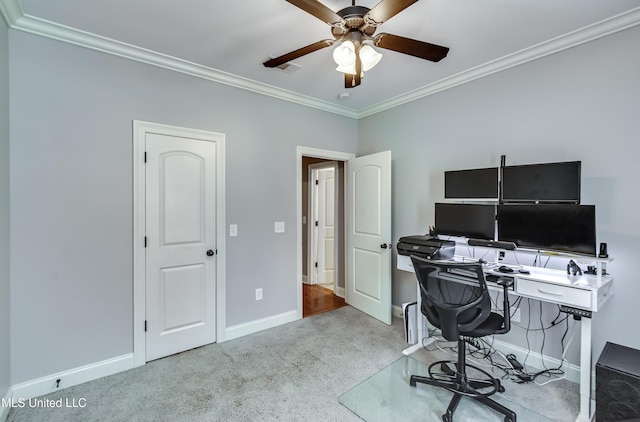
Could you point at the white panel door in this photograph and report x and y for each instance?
(180, 252)
(326, 226)
(369, 235)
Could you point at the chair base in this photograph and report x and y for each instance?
(458, 383)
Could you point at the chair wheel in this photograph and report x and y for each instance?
(501, 390)
(508, 419)
(447, 417)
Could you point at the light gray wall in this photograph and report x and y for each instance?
(580, 104)
(4, 211)
(71, 179)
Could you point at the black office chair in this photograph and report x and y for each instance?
(455, 299)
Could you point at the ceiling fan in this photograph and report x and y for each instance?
(351, 27)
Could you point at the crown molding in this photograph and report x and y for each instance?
(11, 10)
(580, 36)
(18, 20)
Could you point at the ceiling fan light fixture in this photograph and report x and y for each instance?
(345, 54)
(369, 57)
(351, 70)
(351, 27)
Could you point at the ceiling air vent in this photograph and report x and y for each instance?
(288, 67)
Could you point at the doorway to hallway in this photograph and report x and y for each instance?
(366, 229)
(323, 235)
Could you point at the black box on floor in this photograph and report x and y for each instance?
(618, 384)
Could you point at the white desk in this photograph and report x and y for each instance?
(587, 292)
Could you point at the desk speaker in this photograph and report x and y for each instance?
(618, 384)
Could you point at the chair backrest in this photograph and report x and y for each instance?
(454, 295)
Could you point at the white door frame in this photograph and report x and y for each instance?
(314, 153)
(312, 234)
(140, 129)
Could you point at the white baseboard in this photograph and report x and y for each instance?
(251, 327)
(305, 279)
(4, 410)
(396, 311)
(49, 383)
(339, 291)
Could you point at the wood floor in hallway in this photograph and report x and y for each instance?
(317, 299)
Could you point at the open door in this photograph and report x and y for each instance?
(368, 286)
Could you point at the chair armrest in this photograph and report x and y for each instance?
(505, 281)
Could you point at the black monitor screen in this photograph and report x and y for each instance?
(553, 227)
(471, 184)
(551, 182)
(474, 221)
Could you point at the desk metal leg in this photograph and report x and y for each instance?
(587, 408)
(420, 331)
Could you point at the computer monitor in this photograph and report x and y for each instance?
(475, 221)
(549, 227)
(550, 182)
(478, 184)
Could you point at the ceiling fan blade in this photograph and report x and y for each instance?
(385, 10)
(415, 48)
(351, 80)
(348, 80)
(285, 58)
(320, 11)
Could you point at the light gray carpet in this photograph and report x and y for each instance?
(294, 372)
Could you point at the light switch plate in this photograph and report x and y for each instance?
(279, 227)
(233, 230)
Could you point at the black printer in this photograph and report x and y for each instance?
(426, 247)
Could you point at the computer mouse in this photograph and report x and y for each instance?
(505, 269)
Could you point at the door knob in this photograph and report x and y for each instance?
(383, 246)
(210, 252)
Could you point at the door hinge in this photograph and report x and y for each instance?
(317, 182)
(316, 224)
(145, 325)
(316, 265)
(145, 241)
(145, 156)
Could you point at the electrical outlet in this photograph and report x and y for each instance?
(279, 227)
(233, 230)
(258, 294)
(515, 315)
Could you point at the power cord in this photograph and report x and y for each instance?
(479, 349)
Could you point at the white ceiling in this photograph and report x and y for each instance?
(229, 40)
